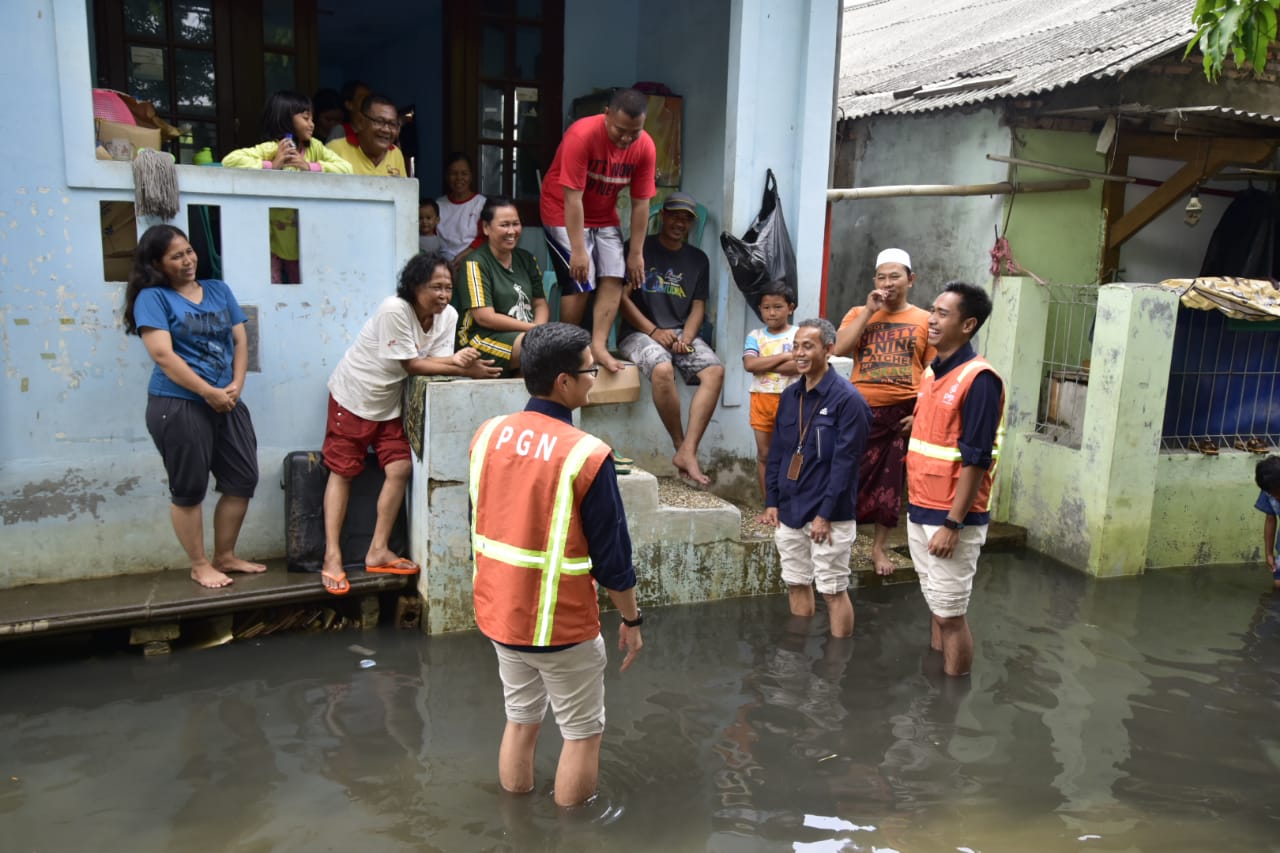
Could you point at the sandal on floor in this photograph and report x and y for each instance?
(1253, 445)
(1207, 446)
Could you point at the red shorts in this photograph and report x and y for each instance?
(347, 437)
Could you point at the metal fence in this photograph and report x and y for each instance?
(1224, 383)
(1064, 373)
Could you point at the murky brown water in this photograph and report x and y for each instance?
(1127, 715)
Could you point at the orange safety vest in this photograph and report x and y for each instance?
(532, 584)
(933, 453)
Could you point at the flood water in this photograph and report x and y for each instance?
(1139, 714)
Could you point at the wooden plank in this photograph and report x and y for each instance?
(1112, 211)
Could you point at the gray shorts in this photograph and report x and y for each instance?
(571, 680)
(604, 256)
(648, 354)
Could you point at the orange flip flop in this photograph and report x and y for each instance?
(399, 566)
(343, 587)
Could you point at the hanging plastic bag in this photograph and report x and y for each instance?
(764, 253)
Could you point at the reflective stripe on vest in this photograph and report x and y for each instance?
(952, 454)
(552, 562)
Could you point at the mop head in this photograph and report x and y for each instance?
(155, 181)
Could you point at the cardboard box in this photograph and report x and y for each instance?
(122, 141)
(620, 387)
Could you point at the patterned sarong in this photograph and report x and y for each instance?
(882, 471)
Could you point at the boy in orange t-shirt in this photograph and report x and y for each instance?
(888, 339)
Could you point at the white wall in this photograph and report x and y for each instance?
(947, 237)
(1166, 247)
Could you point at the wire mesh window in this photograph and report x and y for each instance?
(1064, 373)
(1224, 383)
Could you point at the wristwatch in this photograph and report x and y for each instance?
(952, 524)
(636, 622)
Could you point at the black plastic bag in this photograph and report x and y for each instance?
(764, 253)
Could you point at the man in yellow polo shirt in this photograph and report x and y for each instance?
(375, 155)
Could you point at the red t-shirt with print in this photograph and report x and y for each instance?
(587, 160)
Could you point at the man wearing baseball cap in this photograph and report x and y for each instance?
(660, 323)
(888, 339)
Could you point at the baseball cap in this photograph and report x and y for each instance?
(893, 256)
(681, 201)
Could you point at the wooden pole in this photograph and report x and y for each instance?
(1066, 170)
(1002, 188)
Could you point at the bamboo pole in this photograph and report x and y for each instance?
(1065, 170)
(1002, 188)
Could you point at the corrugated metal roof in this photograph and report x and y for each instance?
(971, 51)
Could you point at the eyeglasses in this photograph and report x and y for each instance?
(384, 123)
(594, 370)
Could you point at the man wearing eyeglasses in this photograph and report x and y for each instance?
(547, 525)
(410, 334)
(376, 154)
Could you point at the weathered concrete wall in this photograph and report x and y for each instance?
(1057, 235)
(82, 490)
(949, 237)
(681, 555)
(1092, 508)
(1202, 511)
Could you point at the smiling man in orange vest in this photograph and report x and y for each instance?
(955, 440)
(547, 525)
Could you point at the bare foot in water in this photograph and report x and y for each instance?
(207, 576)
(687, 465)
(884, 566)
(235, 564)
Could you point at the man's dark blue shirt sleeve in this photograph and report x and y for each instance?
(980, 418)
(604, 523)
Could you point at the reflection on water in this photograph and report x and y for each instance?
(1123, 715)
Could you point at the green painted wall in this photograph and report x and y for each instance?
(1203, 510)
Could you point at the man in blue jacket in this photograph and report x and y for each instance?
(811, 478)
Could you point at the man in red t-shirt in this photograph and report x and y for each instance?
(598, 156)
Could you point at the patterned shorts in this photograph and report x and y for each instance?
(648, 354)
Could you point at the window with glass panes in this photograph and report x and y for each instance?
(509, 97)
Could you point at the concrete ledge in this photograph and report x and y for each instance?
(127, 600)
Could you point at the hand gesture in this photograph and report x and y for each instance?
(943, 543)
(629, 639)
(579, 265)
(904, 425)
(219, 400)
(635, 269)
(820, 530)
(464, 357)
(769, 516)
(482, 369)
(665, 338)
(233, 391)
(875, 300)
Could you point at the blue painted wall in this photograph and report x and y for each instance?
(82, 491)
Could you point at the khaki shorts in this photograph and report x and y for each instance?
(827, 563)
(571, 680)
(946, 584)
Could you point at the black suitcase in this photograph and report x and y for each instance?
(303, 481)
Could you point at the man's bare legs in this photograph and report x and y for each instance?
(800, 599)
(701, 407)
(578, 771)
(951, 636)
(188, 524)
(605, 311)
(840, 613)
(880, 554)
(515, 756)
(577, 774)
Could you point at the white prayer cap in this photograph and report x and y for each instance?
(893, 256)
